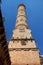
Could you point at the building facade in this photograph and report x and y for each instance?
(4, 53)
(22, 46)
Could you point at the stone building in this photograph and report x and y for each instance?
(4, 53)
(22, 46)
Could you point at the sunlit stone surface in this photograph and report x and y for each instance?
(22, 46)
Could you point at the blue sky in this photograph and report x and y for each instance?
(34, 12)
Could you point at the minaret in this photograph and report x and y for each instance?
(4, 54)
(22, 46)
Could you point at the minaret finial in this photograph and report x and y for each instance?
(21, 5)
(21, 20)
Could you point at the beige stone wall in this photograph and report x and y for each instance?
(17, 44)
(22, 35)
(25, 34)
(25, 57)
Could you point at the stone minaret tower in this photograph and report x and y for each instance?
(4, 54)
(22, 46)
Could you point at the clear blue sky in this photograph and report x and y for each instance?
(34, 12)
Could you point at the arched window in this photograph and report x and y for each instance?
(23, 42)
